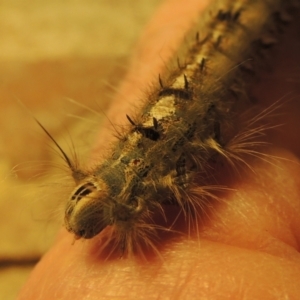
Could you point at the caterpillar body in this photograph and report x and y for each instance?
(189, 119)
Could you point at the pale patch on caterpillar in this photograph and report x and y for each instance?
(187, 122)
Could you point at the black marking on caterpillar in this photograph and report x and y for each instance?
(187, 122)
(151, 132)
(228, 16)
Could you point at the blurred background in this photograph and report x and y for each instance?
(52, 51)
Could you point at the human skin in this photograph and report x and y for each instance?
(247, 249)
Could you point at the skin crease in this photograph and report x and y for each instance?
(248, 249)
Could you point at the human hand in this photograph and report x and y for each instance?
(250, 246)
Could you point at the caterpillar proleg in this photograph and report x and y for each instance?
(189, 120)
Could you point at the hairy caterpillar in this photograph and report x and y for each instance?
(186, 123)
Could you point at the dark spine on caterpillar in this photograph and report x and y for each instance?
(187, 122)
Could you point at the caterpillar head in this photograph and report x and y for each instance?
(87, 210)
(90, 209)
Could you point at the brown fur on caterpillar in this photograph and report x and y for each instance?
(189, 120)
